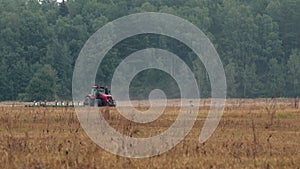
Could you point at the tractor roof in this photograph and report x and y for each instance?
(97, 87)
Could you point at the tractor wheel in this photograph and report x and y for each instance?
(89, 102)
(86, 101)
(112, 104)
(92, 102)
(101, 103)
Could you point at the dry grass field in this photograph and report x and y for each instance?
(249, 136)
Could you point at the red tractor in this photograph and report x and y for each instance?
(101, 96)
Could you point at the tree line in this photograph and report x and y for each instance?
(258, 42)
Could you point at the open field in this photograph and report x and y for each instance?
(263, 134)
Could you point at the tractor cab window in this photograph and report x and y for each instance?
(101, 91)
(94, 91)
(98, 91)
(107, 91)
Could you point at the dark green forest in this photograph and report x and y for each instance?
(258, 42)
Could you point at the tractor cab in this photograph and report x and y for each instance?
(98, 90)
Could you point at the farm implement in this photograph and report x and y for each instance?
(100, 96)
(55, 104)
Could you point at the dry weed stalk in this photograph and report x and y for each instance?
(271, 109)
(269, 145)
(255, 143)
(296, 103)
